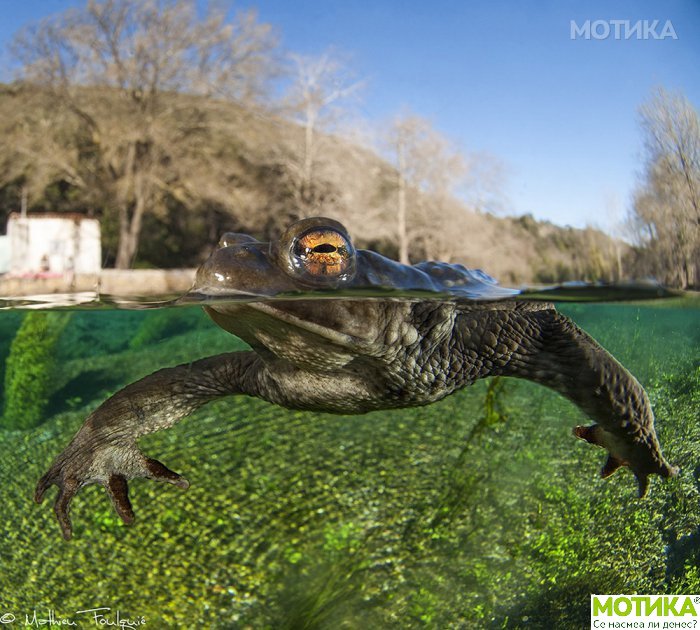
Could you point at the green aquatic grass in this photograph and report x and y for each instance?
(478, 511)
(30, 368)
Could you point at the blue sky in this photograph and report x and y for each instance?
(501, 76)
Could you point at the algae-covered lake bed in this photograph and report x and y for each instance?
(479, 511)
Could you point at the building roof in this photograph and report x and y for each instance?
(72, 216)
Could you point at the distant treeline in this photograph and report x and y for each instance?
(168, 126)
(250, 188)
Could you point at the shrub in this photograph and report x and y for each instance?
(29, 368)
(163, 323)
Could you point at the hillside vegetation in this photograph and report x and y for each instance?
(241, 174)
(173, 122)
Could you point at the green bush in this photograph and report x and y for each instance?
(29, 368)
(9, 324)
(163, 323)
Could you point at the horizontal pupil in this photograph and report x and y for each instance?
(324, 248)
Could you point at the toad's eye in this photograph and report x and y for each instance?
(316, 252)
(322, 252)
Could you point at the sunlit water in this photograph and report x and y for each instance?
(466, 513)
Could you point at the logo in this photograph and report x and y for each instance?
(662, 612)
(622, 29)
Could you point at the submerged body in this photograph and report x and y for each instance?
(356, 354)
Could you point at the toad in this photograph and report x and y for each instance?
(329, 331)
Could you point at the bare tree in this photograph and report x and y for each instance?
(320, 92)
(31, 149)
(137, 133)
(666, 212)
(485, 182)
(427, 171)
(617, 228)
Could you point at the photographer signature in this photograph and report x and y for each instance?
(103, 617)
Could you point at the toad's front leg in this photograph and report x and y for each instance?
(105, 451)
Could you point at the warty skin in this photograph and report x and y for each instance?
(354, 355)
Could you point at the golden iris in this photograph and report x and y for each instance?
(323, 252)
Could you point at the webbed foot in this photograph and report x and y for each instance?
(108, 462)
(643, 458)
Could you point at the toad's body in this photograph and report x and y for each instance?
(353, 355)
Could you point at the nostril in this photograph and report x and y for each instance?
(231, 239)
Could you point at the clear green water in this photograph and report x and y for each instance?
(456, 515)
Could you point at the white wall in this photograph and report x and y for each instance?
(4, 254)
(65, 243)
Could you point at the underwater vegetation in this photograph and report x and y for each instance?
(164, 323)
(29, 368)
(480, 511)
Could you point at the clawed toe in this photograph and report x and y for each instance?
(43, 485)
(118, 491)
(67, 490)
(161, 472)
(61, 507)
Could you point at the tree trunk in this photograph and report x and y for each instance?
(308, 165)
(308, 151)
(130, 228)
(618, 258)
(401, 228)
(124, 249)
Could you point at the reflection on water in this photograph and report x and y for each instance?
(478, 511)
(480, 288)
